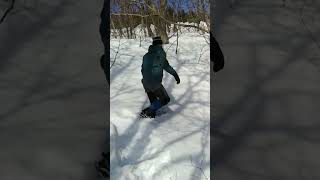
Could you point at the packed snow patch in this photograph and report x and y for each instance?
(146, 165)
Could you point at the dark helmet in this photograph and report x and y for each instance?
(156, 40)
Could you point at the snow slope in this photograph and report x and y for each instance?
(175, 145)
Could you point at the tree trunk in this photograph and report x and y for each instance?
(162, 25)
(149, 20)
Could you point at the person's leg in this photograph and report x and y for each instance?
(158, 97)
(163, 96)
(152, 97)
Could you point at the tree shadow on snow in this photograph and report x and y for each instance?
(182, 101)
(258, 131)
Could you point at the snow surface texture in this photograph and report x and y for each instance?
(114, 153)
(176, 145)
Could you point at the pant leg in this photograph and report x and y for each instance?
(163, 96)
(152, 97)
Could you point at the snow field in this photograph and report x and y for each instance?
(176, 145)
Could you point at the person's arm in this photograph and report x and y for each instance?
(171, 71)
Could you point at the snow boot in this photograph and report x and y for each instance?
(143, 112)
(155, 106)
(150, 112)
(147, 113)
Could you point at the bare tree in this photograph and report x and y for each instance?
(156, 13)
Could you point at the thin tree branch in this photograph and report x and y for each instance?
(201, 53)
(199, 167)
(115, 57)
(171, 45)
(177, 24)
(7, 11)
(130, 14)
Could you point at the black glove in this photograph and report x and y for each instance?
(177, 79)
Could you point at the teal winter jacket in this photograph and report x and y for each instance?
(154, 62)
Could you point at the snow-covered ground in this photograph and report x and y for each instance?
(176, 145)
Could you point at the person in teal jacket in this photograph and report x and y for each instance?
(154, 62)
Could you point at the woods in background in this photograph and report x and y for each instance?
(164, 16)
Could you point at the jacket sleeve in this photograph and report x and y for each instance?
(169, 69)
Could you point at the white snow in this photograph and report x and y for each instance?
(115, 158)
(176, 145)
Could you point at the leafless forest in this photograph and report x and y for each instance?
(164, 16)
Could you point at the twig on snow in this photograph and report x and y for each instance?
(199, 167)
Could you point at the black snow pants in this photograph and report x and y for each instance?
(158, 93)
